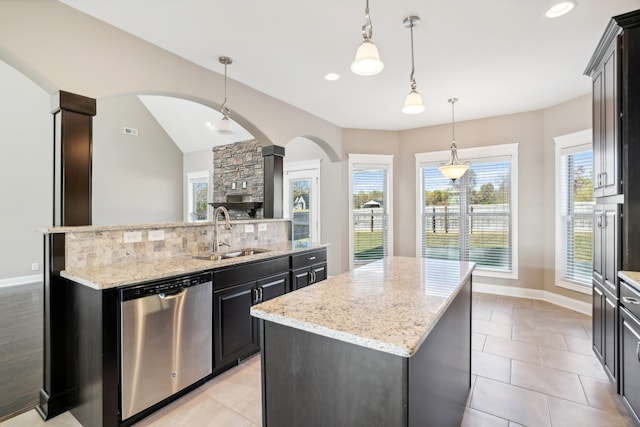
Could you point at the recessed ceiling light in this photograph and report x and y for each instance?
(559, 9)
(209, 124)
(332, 76)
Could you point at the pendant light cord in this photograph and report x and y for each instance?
(367, 28)
(413, 80)
(453, 120)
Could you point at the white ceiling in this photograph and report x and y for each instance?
(496, 56)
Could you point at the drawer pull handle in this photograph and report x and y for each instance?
(311, 258)
(638, 351)
(632, 301)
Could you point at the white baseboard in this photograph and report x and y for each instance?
(570, 303)
(20, 280)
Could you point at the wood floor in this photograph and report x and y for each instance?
(21, 341)
(532, 365)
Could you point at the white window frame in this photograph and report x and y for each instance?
(486, 152)
(191, 176)
(375, 160)
(578, 141)
(298, 170)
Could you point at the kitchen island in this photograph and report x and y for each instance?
(387, 344)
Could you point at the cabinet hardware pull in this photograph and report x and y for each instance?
(255, 296)
(632, 301)
(599, 221)
(311, 258)
(638, 351)
(261, 294)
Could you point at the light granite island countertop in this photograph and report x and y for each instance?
(386, 344)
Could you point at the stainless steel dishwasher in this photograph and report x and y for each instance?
(166, 339)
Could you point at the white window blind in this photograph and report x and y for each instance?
(470, 219)
(370, 213)
(576, 214)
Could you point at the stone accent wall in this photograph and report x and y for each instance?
(238, 163)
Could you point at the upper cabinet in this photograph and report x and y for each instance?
(606, 140)
(615, 70)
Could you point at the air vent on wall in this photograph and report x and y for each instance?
(131, 131)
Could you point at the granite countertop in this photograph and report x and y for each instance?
(631, 277)
(124, 274)
(390, 305)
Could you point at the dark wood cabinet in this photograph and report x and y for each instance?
(308, 268)
(236, 289)
(606, 140)
(606, 245)
(235, 333)
(605, 329)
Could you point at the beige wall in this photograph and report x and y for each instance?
(562, 119)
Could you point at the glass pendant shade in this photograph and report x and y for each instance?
(367, 62)
(453, 171)
(224, 126)
(413, 103)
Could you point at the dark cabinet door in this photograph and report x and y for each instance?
(597, 319)
(272, 287)
(319, 273)
(610, 341)
(630, 361)
(235, 331)
(611, 262)
(611, 151)
(301, 278)
(598, 138)
(598, 249)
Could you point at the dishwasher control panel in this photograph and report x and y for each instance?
(165, 286)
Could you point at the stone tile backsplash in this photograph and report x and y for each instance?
(103, 246)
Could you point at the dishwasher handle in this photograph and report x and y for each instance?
(172, 294)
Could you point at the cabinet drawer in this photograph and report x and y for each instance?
(308, 258)
(242, 273)
(630, 298)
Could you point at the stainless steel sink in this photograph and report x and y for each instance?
(232, 254)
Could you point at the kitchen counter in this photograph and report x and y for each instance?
(387, 344)
(390, 305)
(631, 277)
(123, 274)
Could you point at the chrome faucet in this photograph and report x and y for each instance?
(216, 243)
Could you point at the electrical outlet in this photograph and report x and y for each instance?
(248, 228)
(262, 227)
(132, 236)
(155, 235)
(35, 266)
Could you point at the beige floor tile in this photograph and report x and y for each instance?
(579, 345)
(549, 381)
(481, 314)
(491, 366)
(195, 409)
(477, 341)
(473, 418)
(253, 361)
(602, 395)
(504, 317)
(504, 307)
(250, 407)
(481, 296)
(537, 337)
(32, 419)
(515, 301)
(491, 328)
(564, 327)
(580, 364)
(513, 403)
(233, 386)
(512, 349)
(569, 414)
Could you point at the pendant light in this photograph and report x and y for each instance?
(224, 125)
(454, 168)
(413, 104)
(367, 62)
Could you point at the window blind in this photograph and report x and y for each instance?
(370, 213)
(469, 219)
(576, 215)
